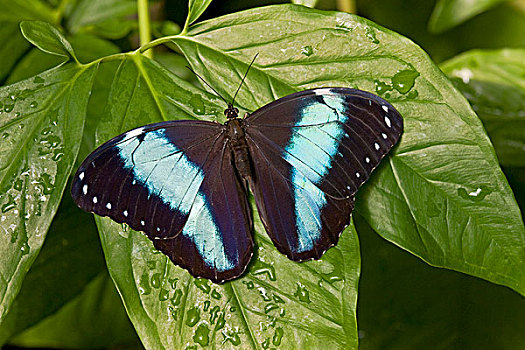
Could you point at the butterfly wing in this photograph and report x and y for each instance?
(216, 242)
(175, 182)
(311, 151)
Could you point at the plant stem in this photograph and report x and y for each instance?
(144, 26)
(346, 6)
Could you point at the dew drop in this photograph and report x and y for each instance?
(277, 336)
(269, 307)
(371, 35)
(232, 337)
(156, 280)
(382, 87)
(404, 80)
(302, 293)
(176, 298)
(215, 294)
(475, 195)
(164, 294)
(202, 284)
(192, 317)
(307, 50)
(144, 287)
(202, 335)
(25, 248)
(197, 104)
(261, 267)
(214, 314)
(220, 322)
(10, 204)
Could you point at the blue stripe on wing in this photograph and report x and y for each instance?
(310, 153)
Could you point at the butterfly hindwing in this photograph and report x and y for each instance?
(216, 242)
(316, 147)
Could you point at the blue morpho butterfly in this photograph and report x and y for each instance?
(185, 182)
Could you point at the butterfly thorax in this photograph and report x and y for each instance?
(235, 134)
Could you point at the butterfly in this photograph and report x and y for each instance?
(185, 183)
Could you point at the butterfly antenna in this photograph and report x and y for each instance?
(245, 74)
(211, 87)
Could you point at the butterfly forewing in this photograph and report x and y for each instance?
(176, 182)
(148, 177)
(316, 147)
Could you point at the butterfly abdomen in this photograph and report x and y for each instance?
(241, 155)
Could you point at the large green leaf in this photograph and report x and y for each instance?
(41, 122)
(494, 84)
(13, 47)
(47, 38)
(410, 18)
(96, 12)
(70, 258)
(278, 302)
(95, 319)
(441, 195)
(195, 9)
(449, 13)
(406, 304)
(18, 10)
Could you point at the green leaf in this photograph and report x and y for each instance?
(92, 12)
(278, 302)
(450, 13)
(406, 304)
(70, 258)
(95, 319)
(13, 47)
(441, 195)
(195, 9)
(47, 38)
(41, 122)
(494, 84)
(17, 10)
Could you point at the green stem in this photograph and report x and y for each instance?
(346, 6)
(156, 42)
(144, 26)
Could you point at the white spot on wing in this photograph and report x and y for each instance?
(358, 175)
(385, 108)
(376, 145)
(81, 176)
(125, 213)
(95, 199)
(384, 135)
(367, 160)
(108, 205)
(387, 121)
(321, 92)
(85, 189)
(142, 222)
(134, 133)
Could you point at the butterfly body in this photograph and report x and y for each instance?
(185, 183)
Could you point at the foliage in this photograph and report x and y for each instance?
(441, 195)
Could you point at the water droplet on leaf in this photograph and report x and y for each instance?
(197, 104)
(202, 335)
(302, 293)
(404, 80)
(192, 317)
(307, 51)
(261, 267)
